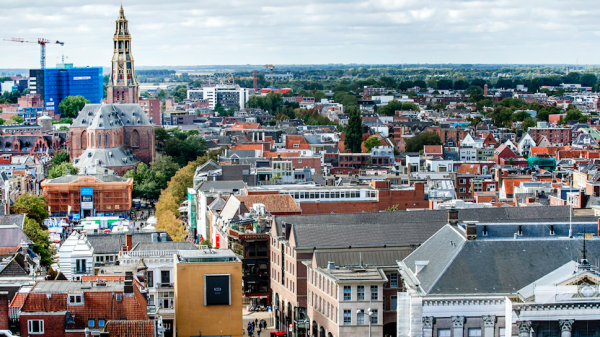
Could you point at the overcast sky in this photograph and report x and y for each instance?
(197, 32)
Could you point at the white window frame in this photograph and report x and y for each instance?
(394, 276)
(40, 326)
(376, 297)
(474, 332)
(444, 333)
(349, 293)
(359, 293)
(360, 318)
(347, 317)
(75, 297)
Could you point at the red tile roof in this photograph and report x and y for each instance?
(272, 202)
(130, 328)
(432, 149)
(468, 169)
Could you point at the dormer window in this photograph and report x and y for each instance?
(75, 299)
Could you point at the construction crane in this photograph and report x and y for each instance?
(41, 42)
(270, 66)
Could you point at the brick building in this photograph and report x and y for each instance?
(151, 107)
(115, 136)
(447, 133)
(556, 136)
(67, 308)
(88, 194)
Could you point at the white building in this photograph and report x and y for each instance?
(229, 96)
(525, 144)
(76, 257)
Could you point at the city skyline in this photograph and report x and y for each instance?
(181, 33)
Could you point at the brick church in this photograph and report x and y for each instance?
(117, 135)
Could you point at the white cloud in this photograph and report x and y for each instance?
(190, 32)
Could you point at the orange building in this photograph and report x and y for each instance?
(88, 195)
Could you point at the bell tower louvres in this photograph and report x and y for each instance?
(122, 85)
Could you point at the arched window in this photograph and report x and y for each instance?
(92, 138)
(135, 139)
(113, 142)
(106, 140)
(99, 144)
(84, 140)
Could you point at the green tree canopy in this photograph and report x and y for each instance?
(418, 142)
(372, 142)
(62, 169)
(34, 206)
(353, 132)
(71, 105)
(41, 241)
(61, 157)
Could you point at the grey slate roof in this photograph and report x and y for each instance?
(169, 245)
(111, 116)
(491, 266)
(13, 219)
(207, 186)
(112, 243)
(11, 236)
(352, 257)
(110, 157)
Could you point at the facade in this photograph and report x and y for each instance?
(115, 136)
(208, 296)
(88, 194)
(229, 96)
(556, 136)
(62, 82)
(36, 82)
(68, 308)
(151, 107)
(122, 84)
(509, 287)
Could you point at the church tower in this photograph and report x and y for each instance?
(122, 85)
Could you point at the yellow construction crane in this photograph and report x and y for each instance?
(270, 66)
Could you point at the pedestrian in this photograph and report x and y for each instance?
(252, 325)
(256, 321)
(258, 333)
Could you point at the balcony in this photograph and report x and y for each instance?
(82, 271)
(163, 285)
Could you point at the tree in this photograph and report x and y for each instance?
(588, 80)
(528, 123)
(404, 85)
(353, 133)
(63, 128)
(390, 108)
(372, 142)
(461, 84)
(40, 239)
(34, 206)
(169, 223)
(161, 136)
(573, 115)
(479, 82)
(444, 85)
(180, 93)
(421, 84)
(62, 169)
(71, 105)
(388, 82)
(161, 94)
(59, 158)
(418, 142)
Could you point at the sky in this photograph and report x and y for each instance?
(223, 32)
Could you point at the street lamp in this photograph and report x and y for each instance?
(369, 314)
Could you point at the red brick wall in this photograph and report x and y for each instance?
(54, 325)
(403, 198)
(4, 310)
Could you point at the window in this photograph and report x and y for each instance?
(360, 318)
(475, 332)
(393, 302)
(76, 299)
(80, 265)
(443, 333)
(150, 279)
(501, 332)
(374, 317)
(35, 326)
(374, 293)
(462, 190)
(91, 323)
(347, 293)
(394, 280)
(166, 300)
(101, 323)
(347, 317)
(165, 276)
(150, 299)
(360, 293)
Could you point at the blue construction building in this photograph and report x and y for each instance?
(71, 81)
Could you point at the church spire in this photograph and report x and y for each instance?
(122, 86)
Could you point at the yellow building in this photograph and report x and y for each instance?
(208, 293)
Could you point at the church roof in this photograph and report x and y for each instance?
(111, 116)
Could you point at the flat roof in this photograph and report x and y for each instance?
(75, 286)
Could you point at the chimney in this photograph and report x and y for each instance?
(128, 286)
(471, 231)
(452, 216)
(4, 325)
(330, 265)
(163, 237)
(288, 230)
(129, 241)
